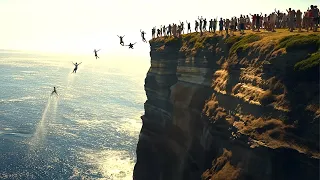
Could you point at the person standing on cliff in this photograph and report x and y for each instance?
(204, 24)
(169, 30)
(227, 26)
(153, 33)
(189, 27)
(299, 20)
(210, 25)
(200, 24)
(273, 17)
(182, 27)
(242, 24)
(196, 24)
(315, 15)
(221, 26)
(214, 26)
(164, 30)
(158, 32)
(95, 53)
(291, 19)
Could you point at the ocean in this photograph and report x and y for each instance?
(89, 131)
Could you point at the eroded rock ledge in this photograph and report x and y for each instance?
(231, 108)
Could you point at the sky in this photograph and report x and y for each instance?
(79, 26)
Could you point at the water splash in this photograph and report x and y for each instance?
(49, 112)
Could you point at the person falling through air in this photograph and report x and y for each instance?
(95, 53)
(131, 45)
(54, 91)
(75, 67)
(121, 40)
(142, 35)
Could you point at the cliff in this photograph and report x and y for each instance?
(226, 108)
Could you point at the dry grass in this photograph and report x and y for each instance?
(220, 79)
(248, 93)
(210, 106)
(222, 168)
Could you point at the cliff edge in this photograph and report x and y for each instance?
(227, 108)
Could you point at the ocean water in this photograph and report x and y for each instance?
(89, 131)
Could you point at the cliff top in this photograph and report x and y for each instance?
(191, 43)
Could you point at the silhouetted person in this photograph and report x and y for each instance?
(131, 45)
(142, 35)
(221, 25)
(214, 26)
(196, 24)
(182, 27)
(95, 53)
(189, 27)
(153, 32)
(204, 24)
(200, 24)
(54, 91)
(121, 40)
(75, 67)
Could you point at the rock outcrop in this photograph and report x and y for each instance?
(231, 108)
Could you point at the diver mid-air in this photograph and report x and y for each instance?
(131, 45)
(142, 35)
(121, 40)
(95, 53)
(54, 91)
(75, 67)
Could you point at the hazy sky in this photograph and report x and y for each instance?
(79, 26)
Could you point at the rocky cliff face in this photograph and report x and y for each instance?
(231, 108)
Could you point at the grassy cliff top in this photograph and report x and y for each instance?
(282, 41)
(191, 43)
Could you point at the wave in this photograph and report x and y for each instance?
(4, 101)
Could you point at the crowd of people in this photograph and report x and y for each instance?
(291, 20)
